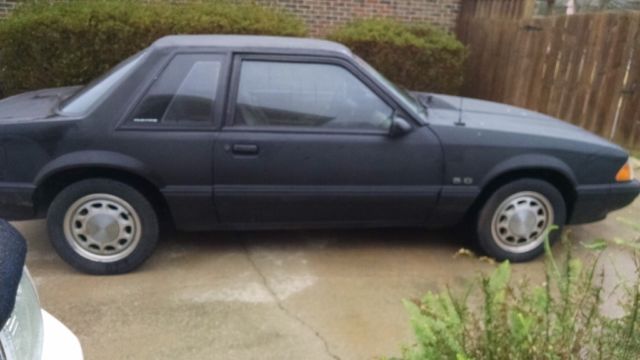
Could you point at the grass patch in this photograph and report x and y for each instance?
(630, 223)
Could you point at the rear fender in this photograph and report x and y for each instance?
(99, 159)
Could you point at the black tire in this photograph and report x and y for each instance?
(146, 229)
(499, 249)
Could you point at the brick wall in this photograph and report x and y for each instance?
(323, 15)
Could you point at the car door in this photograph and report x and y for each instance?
(306, 142)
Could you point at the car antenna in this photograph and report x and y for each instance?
(460, 122)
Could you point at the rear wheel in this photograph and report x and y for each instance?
(512, 223)
(101, 226)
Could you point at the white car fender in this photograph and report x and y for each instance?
(59, 343)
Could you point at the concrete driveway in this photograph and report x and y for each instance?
(270, 295)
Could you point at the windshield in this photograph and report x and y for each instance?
(403, 95)
(82, 101)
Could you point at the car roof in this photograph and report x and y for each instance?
(253, 42)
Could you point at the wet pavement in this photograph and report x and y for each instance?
(275, 295)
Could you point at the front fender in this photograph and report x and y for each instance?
(530, 162)
(97, 159)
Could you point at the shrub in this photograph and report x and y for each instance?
(72, 42)
(418, 56)
(560, 319)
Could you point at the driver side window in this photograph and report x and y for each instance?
(314, 95)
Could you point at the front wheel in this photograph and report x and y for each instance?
(101, 226)
(513, 222)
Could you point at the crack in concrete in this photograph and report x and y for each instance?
(280, 306)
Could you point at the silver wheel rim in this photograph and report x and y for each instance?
(102, 228)
(519, 223)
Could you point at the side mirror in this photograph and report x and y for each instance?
(399, 127)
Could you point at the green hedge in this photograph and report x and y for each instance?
(417, 56)
(43, 45)
(72, 42)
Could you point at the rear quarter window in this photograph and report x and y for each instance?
(184, 94)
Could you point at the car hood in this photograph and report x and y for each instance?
(468, 105)
(488, 115)
(34, 105)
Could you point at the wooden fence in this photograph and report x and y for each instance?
(582, 68)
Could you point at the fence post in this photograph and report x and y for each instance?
(529, 7)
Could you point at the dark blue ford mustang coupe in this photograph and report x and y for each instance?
(246, 132)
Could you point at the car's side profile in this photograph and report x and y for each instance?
(246, 132)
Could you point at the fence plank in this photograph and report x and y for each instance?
(544, 36)
(558, 67)
(503, 54)
(589, 63)
(613, 75)
(551, 60)
(620, 69)
(529, 43)
(573, 45)
(577, 38)
(628, 131)
(605, 24)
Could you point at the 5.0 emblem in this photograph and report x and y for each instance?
(462, 180)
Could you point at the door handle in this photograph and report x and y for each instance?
(244, 149)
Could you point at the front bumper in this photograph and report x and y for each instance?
(59, 342)
(594, 202)
(16, 201)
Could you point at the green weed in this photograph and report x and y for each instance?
(499, 318)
